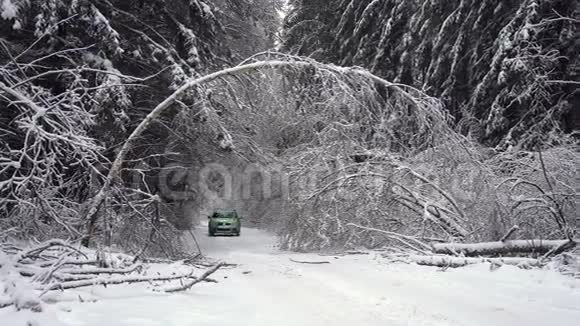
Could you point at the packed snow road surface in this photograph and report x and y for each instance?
(268, 287)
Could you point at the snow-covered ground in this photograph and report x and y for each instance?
(268, 288)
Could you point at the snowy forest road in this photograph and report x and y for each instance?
(270, 287)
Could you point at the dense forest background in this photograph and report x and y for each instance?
(506, 70)
(481, 139)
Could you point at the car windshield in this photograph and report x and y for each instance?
(225, 214)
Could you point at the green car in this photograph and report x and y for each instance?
(224, 221)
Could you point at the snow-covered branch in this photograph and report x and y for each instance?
(537, 246)
(26, 275)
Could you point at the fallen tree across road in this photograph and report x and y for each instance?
(503, 247)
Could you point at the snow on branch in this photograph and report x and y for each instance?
(454, 262)
(538, 246)
(26, 275)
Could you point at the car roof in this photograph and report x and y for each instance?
(225, 210)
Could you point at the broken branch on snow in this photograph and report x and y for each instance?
(451, 261)
(310, 262)
(500, 247)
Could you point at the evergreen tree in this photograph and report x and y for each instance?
(97, 68)
(506, 70)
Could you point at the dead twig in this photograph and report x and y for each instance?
(203, 276)
(509, 233)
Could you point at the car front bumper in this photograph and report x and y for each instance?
(226, 230)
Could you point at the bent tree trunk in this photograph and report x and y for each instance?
(91, 215)
(502, 247)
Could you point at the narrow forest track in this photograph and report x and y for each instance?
(268, 287)
(365, 290)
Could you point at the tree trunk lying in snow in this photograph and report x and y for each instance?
(450, 261)
(502, 247)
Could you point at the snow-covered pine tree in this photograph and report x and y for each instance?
(506, 70)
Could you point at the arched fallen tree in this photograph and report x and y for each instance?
(361, 155)
(350, 80)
